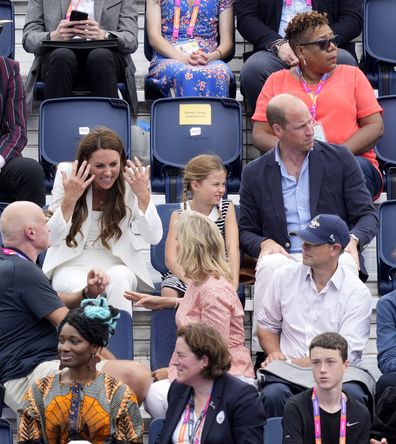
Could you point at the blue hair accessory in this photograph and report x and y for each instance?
(99, 309)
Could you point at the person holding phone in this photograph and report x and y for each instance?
(62, 68)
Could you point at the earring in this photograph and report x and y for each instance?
(304, 61)
(93, 360)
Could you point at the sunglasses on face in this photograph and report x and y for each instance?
(323, 44)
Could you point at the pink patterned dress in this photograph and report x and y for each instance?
(216, 303)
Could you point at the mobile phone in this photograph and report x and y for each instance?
(76, 16)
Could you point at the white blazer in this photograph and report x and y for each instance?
(127, 247)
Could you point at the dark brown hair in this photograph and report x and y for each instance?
(114, 210)
(301, 27)
(204, 340)
(332, 341)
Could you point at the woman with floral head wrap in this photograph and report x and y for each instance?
(80, 403)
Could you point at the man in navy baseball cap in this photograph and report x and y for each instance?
(325, 229)
(305, 299)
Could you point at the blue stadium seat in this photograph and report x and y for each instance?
(386, 244)
(5, 432)
(154, 430)
(273, 431)
(157, 252)
(7, 37)
(380, 54)
(184, 127)
(64, 121)
(151, 92)
(121, 343)
(385, 148)
(162, 337)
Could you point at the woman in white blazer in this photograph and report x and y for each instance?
(103, 216)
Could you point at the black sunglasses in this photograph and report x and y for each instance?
(323, 44)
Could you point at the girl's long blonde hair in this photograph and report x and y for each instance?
(201, 250)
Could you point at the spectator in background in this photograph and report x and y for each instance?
(263, 24)
(20, 178)
(286, 187)
(80, 403)
(62, 68)
(325, 413)
(229, 410)
(386, 341)
(30, 309)
(103, 214)
(190, 40)
(340, 98)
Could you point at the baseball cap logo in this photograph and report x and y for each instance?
(314, 223)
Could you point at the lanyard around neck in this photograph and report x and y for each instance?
(313, 95)
(316, 414)
(194, 430)
(176, 19)
(10, 252)
(290, 2)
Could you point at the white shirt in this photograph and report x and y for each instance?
(84, 6)
(294, 309)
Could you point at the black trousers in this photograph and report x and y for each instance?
(99, 69)
(22, 179)
(385, 380)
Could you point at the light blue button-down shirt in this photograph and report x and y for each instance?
(297, 7)
(296, 200)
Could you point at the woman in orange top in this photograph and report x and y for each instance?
(342, 102)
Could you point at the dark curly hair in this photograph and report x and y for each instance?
(114, 210)
(94, 320)
(301, 27)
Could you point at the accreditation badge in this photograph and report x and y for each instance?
(187, 46)
(319, 133)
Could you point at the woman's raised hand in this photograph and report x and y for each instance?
(138, 178)
(75, 184)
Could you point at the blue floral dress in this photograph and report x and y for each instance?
(210, 80)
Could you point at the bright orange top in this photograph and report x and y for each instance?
(346, 97)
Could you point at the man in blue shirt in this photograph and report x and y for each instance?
(386, 341)
(288, 186)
